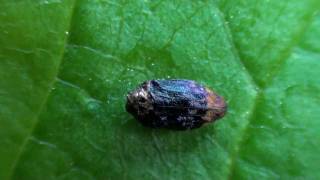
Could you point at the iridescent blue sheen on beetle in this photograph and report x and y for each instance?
(175, 104)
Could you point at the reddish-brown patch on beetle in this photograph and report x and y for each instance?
(216, 107)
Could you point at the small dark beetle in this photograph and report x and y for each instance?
(175, 104)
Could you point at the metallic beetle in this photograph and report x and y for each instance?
(175, 104)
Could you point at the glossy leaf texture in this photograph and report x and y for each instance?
(66, 67)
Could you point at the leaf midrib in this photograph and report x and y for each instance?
(45, 99)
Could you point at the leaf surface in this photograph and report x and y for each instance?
(262, 57)
(32, 38)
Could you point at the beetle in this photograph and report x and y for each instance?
(177, 104)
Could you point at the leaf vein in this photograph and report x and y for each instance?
(36, 120)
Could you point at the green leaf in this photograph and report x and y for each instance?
(263, 57)
(266, 32)
(283, 138)
(32, 37)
